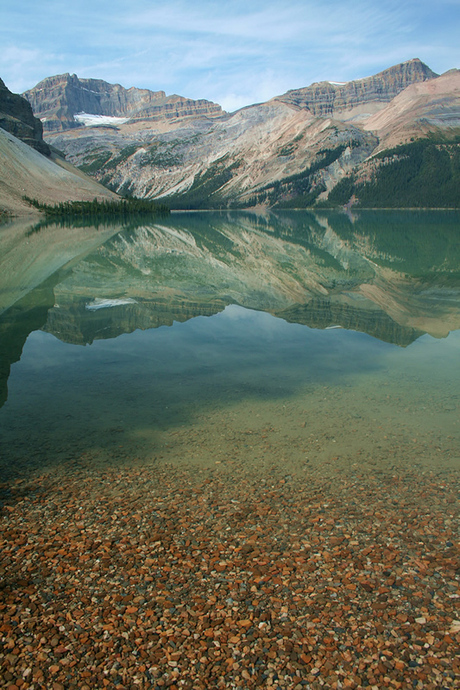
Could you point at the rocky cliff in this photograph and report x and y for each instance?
(16, 117)
(57, 100)
(290, 152)
(417, 160)
(265, 154)
(431, 105)
(358, 99)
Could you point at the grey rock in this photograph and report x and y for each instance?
(16, 117)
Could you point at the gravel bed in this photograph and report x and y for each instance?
(167, 576)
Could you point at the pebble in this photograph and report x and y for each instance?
(168, 576)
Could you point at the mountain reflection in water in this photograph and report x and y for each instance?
(311, 326)
(392, 275)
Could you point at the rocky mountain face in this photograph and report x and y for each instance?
(17, 117)
(255, 156)
(417, 160)
(423, 107)
(292, 151)
(356, 100)
(57, 100)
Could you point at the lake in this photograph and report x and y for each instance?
(230, 451)
(206, 337)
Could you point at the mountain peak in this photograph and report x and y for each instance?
(328, 99)
(57, 100)
(291, 151)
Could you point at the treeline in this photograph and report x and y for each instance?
(421, 174)
(124, 208)
(302, 189)
(205, 190)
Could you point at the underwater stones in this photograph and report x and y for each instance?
(161, 576)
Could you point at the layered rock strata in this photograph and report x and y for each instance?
(345, 101)
(288, 152)
(57, 100)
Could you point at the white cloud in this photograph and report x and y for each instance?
(16, 64)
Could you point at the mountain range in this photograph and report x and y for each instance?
(391, 139)
(59, 100)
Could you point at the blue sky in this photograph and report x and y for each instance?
(234, 53)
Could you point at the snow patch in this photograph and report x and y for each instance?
(90, 120)
(107, 303)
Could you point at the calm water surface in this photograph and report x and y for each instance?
(298, 340)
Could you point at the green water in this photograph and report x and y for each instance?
(299, 341)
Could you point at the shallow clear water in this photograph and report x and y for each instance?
(220, 339)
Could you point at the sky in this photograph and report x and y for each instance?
(234, 53)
